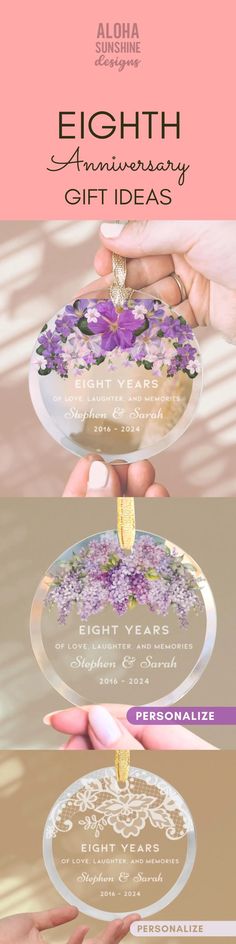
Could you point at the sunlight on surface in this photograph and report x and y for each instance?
(43, 265)
(11, 772)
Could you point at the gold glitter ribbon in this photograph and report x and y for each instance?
(126, 535)
(126, 522)
(122, 764)
(118, 292)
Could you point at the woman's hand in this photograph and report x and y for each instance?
(98, 727)
(201, 252)
(93, 478)
(27, 928)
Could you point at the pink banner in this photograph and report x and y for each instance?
(160, 77)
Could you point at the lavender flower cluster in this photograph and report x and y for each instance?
(144, 332)
(103, 574)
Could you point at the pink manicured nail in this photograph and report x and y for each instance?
(48, 718)
(112, 229)
(98, 475)
(103, 725)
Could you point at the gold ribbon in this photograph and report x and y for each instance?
(126, 535)
(118, 292)
(126, 522)
(122, 764)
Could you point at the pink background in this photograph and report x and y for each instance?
(48, 52)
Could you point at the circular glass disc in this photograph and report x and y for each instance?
(108, 847)
(124, 383)
(135, 628)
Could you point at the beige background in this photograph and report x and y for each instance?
(35, 532)
(30, 783)
(43, 265)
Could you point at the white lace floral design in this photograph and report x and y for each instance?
(102, 803)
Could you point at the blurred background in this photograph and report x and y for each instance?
(43, 265)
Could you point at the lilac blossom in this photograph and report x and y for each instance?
(103, 574)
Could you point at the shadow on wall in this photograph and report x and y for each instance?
(43, 264)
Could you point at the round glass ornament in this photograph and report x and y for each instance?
(119, 378)
(108, 847)
(134, 628)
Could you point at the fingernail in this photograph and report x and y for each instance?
(48, 718)
(110, 230)
(98, 475)
(103, 725)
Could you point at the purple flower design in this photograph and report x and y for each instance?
(175, 328)
(150, 305)
(50, 341)
(117, 328)
(184, 356)
(66, 322)
(156, 314)
(101, 573)
(50, 350)
(143, 331)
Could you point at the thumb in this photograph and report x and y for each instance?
(103, 480)
(105, 731)
(150, 237)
